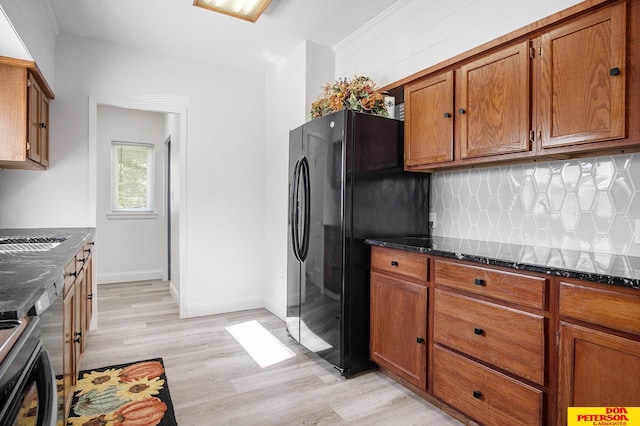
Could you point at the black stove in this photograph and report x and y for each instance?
(10, 331)
(27, 382)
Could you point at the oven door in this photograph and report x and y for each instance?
(34, 400)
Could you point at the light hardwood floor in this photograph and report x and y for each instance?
(213, 381)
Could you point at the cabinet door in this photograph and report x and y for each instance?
(69, 366)
(399, 327)
(43, 127)
(78, 318)
(34, 94)
(494, 106)
(88, 301)
(24, 119)
(13, 113)
(429, 120)
(597, 369)
(583, 80)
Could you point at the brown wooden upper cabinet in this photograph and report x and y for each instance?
(24, 116)
(494, 103)
(583, 79)
(429, 120)
(568, 87)
(493, 113)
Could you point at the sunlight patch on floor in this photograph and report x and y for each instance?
(263, 346)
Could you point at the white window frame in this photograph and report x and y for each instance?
(132, 213)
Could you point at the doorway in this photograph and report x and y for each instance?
(174, 176)
(130, 204)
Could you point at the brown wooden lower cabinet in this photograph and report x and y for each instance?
(502, 354)
(69, 361)
(490, 342)
(78, 307)
(599, 361)
(597, 369)
(399, 327)
(482, 393)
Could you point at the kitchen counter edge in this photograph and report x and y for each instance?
(623, 271)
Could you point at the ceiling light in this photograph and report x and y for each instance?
(249, 10)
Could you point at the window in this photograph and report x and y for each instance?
(131, 177)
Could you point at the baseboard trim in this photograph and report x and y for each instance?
(123, 277)
(203, 309)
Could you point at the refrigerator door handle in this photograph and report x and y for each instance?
(295, 210)
(304, 247)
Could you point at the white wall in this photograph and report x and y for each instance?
(34, 22)
(224, 241)
(320, 69)
(291, 86)
(415, 34)
(136, 249)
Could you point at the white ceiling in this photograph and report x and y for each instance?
(177, 27)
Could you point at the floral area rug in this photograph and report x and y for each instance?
(127, 394)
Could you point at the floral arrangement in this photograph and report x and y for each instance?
(358, 94)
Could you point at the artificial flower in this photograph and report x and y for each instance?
(358, 94)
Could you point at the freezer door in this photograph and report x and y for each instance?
(322, 280)
(294, 266)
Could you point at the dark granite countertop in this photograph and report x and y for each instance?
(26, 276)
(599, 267)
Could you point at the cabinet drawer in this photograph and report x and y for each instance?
(525, 290)
(483, 394)
(616, 309)
(507, 338)
(405, 263)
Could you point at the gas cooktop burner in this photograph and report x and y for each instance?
(29, 244)
(31, 239)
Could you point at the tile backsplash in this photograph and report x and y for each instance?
(587, 204)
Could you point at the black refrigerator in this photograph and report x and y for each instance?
(346, 184)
